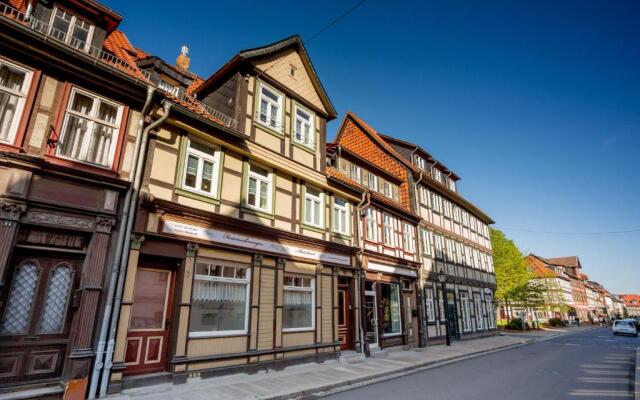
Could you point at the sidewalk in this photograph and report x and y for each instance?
(301, 380)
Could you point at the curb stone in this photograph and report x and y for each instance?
(326, 390)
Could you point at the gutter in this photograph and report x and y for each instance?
(364, 203)
(124, 247)
(116, 270)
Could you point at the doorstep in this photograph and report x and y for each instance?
(49, 390)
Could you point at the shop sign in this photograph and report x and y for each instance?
(373, 266)
(250, 242)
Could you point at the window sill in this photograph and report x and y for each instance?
(197, 196)
(391, 335)
(268, 129)
(258, 213)
(298, 330)
(222, 335)
(66, 162)
(341, 235)
(313, 228)
(301, 146)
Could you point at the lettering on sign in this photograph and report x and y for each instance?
(249, 242)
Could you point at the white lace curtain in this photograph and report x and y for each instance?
(206, 290)
(297, 298)
(11, 80)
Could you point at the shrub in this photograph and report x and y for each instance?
(516, 324)
(556, 322)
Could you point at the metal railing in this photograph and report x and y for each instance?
(110, 59)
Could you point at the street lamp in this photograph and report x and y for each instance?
(442, 278)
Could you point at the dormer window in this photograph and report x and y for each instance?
(270, 108)
(71, 30)
(167, 87)
(304, 127)
(437, 175)
(419, 161)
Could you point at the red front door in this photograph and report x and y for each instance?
(344, 318)
(148, 335)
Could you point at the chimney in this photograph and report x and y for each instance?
(182, 62)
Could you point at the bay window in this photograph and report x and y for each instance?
(304, 127)
(220, 299)
(71, 30)
(409, 238)
(390, 304)
(259, 188)
(371, 220)
(389, 230)
(299, 303)
(313, 207)
(201, 168)
(270, 108)
(14, 86)
(341, 216)
(90, 130)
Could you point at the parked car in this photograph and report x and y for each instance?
(624, 327)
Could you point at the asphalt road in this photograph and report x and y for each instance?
(581, 366)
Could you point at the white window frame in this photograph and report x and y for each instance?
(386, 189)
(68, 36)
(259, 178)
(466, 312)
(311, 289)
(447, 208)
(279, 107)
(357, 171)
(202, 157)
(389, 241)
(423, 195)
(316, 201)
(337, 210)
(431, 305)
(246, 281)
(372, 183)
(425, 237)
(419, 161)
(311, 139)
(371, 218)
(439, 246)
(437, 203)
(22, 97)
(490, 311)
(92, 120)
(477, 300)
(408, 238)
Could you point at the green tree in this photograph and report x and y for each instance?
(510, 268)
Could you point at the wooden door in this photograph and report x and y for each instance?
(148, 335)
(344, 318)
(36, 314)
(452, 315)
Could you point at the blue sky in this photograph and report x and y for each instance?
(535, 105)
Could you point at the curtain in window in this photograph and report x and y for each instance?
(55, 304)
(218, 306)
(204, 290)
(100, 144)
(76, 128)
(18, 309)
(297, 309)
(13, 81)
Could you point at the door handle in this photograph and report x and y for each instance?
(30, 338)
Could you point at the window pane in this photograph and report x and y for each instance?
(80, 34)
(100, 145)
(202, 148)
(61, 24)
(73, 137)
(149, 299)
(264, 189)
(57, 298)
(274, 115)
(218, 306)
(251, 195)
(11, 79)
(8, 108)
(18, 308)
(191, 171)
(269, 95)
(207, 176)
(263, 110)
(258, 170)
(107, 113)
(390, 302)
(81, 103)
(297, 309)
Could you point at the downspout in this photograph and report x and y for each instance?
(364, 203)
(115, 268)
(421, 278)
(104, 381)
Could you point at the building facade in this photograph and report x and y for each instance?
(631, 304)
(454, 241)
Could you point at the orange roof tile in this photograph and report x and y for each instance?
(539, 268)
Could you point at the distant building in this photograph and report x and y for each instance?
(631, 303)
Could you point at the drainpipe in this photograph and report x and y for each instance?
(422, 332)
(104, 381)
(364, 203)
(115, 268)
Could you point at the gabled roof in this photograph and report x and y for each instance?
(629, 298)
(570, 261)
(244, 56)
(539, 268)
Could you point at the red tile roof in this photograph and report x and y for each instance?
(539, 268)
(629, 299)
(20, 5)
(571, 261)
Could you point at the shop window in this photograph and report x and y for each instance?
(14, 85)
(390, 304)
(431, 313)
(299, 303)
(17, 312)
(479, 314)
(466, 311)
(220, 299)
(341, 216)
(259, 188)
(304, 127)
(313, 207)
(90, 129)
(201, 168)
